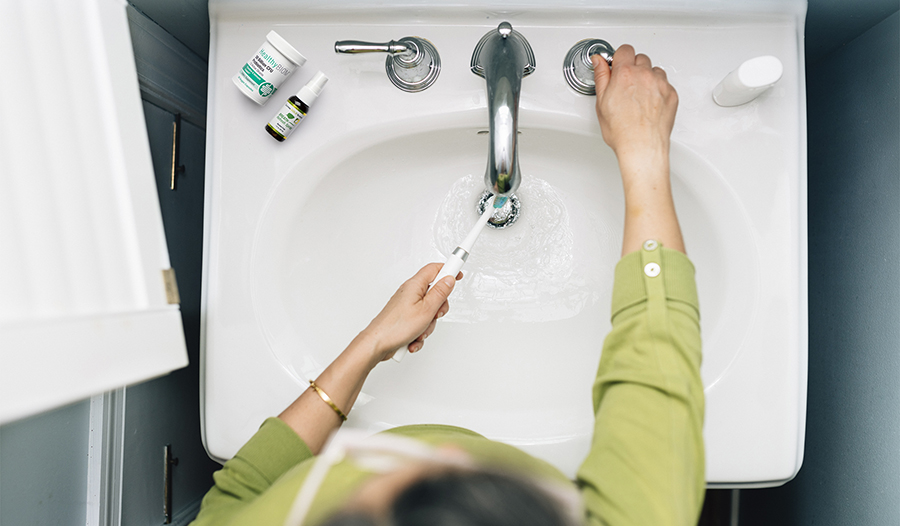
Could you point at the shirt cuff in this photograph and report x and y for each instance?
(274, 449)
(675, 269)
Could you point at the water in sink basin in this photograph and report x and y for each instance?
(527, 273)
(516, 357)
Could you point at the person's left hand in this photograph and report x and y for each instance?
(411, 315)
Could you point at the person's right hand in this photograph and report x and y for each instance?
(636, 109)
(635, 104)
(411, 314)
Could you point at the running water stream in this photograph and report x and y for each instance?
(527, 272)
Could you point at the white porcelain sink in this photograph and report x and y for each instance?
(379, 178)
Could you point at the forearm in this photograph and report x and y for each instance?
(636, 108)
(408, 318)
(313, 419)
(649, 208)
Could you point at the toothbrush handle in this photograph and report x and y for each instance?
(451, 268)
(400, 354)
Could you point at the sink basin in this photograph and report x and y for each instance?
(376, 178)
(526, 324)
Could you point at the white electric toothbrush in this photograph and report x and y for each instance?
(458, 258)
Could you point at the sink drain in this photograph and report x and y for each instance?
(502, 217)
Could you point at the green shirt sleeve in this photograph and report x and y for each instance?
(268, 455)
(646, 463)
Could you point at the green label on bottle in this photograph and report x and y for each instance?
(287, 119)
(254, 76)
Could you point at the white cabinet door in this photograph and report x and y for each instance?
(86, 295)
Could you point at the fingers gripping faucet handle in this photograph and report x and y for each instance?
(597, 47)
(578, 68)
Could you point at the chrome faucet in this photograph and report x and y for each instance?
(503, 57)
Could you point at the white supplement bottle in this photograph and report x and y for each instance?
(296, 108)
(268, 68)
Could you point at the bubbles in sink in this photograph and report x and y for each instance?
(528, 272)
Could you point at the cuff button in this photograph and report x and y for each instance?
(650, 244)
(651, 270)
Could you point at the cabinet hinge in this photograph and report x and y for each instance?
(172, 296)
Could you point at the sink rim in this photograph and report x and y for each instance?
(758, 413)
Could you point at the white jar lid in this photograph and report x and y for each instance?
(286, 49)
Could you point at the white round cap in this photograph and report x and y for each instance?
(313, 88)
(760, 71)
(286, 49)
(748, 81)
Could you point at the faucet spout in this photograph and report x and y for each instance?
(503, 57)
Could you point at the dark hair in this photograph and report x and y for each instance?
(462, 498)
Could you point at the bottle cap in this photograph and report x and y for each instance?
(313, 88)
(286, 49)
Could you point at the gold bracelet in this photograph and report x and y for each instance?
(325, 398)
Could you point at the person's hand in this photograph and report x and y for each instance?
(635, 104)
(636, 108)
(411, 315)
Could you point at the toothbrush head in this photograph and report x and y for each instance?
(502, 216)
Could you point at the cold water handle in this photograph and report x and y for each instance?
(578, 68)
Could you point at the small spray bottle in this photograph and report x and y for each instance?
(296, 108)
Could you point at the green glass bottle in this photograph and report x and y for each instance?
(296, 108)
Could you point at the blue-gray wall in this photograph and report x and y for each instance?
(832, 23)
(851, 472)
(43, 468)
(187, 20)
